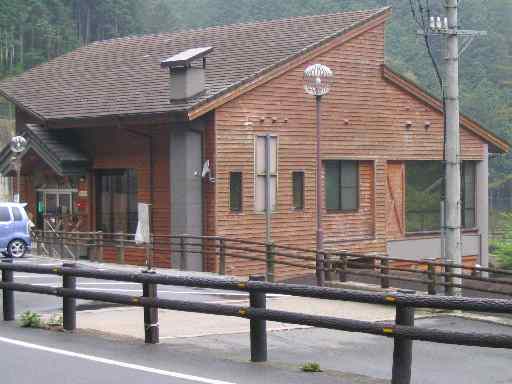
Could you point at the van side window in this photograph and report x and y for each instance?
(5, 214)
(16, 214)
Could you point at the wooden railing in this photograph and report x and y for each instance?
(337, 266)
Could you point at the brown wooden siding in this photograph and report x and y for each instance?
(364, 117)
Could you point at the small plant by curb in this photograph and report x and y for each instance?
(55, 321)
(311, 367)
(31, 319)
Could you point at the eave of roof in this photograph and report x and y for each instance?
(500, 144)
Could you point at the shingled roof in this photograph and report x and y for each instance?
(123, 76)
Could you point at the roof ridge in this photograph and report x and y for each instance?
(372, 11)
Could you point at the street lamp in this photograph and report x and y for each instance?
(18, 145)
(317, 82)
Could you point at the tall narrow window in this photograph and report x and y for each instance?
(341, 185)
(468, 194)
(298, 190)
(116, 201)
(235, 191)
(266, 152)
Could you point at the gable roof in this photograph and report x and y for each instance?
(497, 143)
(122, 76)
(55, 146)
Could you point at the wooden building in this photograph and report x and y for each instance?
(134, 119)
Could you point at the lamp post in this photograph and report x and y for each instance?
(317, 82)
(18, 145)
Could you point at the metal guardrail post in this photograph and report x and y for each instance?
(342, 269)
(68, 303)
(61, 245)
(258, 327)
(99, 256)
(52, 244)
(448, 279)
(38, 244)
(329, 270)
(384, 279)
(151, 326)
(7, 294)
(120, 250)
(183, 254)
(222, 257)
(431, 275)
(269, 256)
(402, 353)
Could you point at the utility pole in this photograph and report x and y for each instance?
(453, 239)
(451, 221)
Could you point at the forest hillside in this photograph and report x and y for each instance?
(34, 31)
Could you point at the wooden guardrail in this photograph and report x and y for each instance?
(402, 330)
(336, 265)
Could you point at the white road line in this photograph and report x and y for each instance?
(116, 363)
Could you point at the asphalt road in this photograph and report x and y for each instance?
(56, 357)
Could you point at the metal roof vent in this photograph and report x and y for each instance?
(186, 80)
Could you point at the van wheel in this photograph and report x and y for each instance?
(16, 248)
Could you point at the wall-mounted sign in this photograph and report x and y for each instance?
(82, 193)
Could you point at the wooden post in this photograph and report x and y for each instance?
(402, 354)
(69, 303)
(270, 254)
(7, 294)
(151, 327)
(222, 257)
(120, 249)
(384, 271)
(258, 327)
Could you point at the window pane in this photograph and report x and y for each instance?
(235, 191)
(273, 192)
(298, 190)
(349, 198)
(4, 214)
(16, 214)
(349, 185)
(349, 176)
(332, 185)
(260, 155)
(273, 155)
(468, 194)
(260, 194)
(423, 195)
